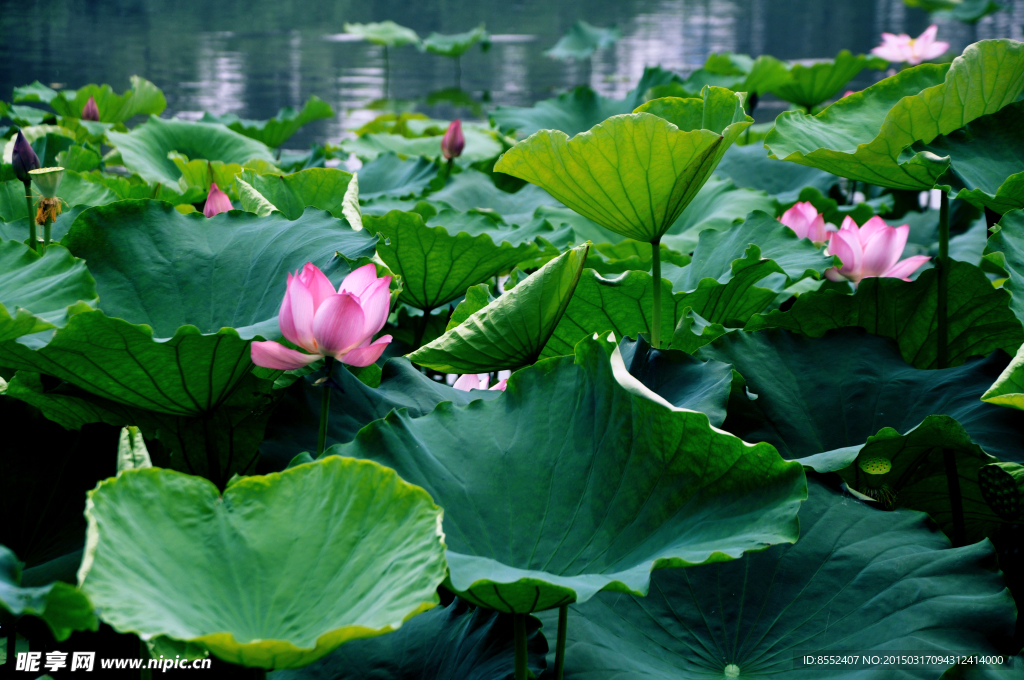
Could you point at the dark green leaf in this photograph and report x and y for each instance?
(64, 608)
(457, 44)
(277, 130)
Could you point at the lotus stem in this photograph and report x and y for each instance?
(325, 407)
(563, 624)
(448, 168)
(421, 328)
(656, 272)
(519, 625)
(33, 236)
(46, 231)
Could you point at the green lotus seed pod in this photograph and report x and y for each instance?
(47, 180)
(875, 466)
(1002, 487)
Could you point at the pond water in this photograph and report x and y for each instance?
(252, 57)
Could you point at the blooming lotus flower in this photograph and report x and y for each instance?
(326, 323)
(871, 250)
(803, 218)
(23, 159)
(903, 48)
(216, 201)
(90, 111)
(453, 141)
(478, 381)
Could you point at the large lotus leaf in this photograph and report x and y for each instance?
(1008, 389)
(718, 205)
(813, 84)
(457, 44)
(808, 396)
(457, 642)
(635, 173)
(866, 135)
(144, 150)
(64, 608)
(169, 556)
(330, 189)
(620, 484)
(969, 11)
(386, 33)
(473, 189)
(439, 263)
(482, 144)
(980, 318)
(389, 175)
(38, 291)
(512, 331)
(582, 40)
(23, 116)
(577, 110)
(1006, 249)
(143, 98)
(750, 167)
(275, 131)
(859, 581)
(909, 471)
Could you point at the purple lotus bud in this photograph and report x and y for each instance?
(90, 111)
(23, 159)
(453, 142)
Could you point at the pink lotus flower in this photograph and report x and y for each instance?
(871, 250)
(903, 48)
(90, 111)
(478, 381)
(326, 323)
(216, 202)
(453, 142)
(803, 218)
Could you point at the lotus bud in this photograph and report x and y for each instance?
(90, 111)
(216, 201)
(24, 159)
(453, 141)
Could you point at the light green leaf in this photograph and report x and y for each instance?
(512, 331)
(277, 130)
(143, 98)
(1008, 389)
(814, 84)
(481, 144)
(582, 40)
(457, 44)
(132, 453)
(632, 493)
(1006, 248)
(866, 136)
(198, 175)
(330, 189)
(61, 605)
(36, 92)
(166, 554)
(386, 33)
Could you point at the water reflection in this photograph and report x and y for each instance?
(221, 85)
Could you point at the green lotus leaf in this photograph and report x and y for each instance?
(987, 167)
(1008, 389)
(24, 116)
(438, 263)
(481, 144)
(916, 478)
(62, 606)
(144, 150)
(457, 642)
(167, 553)
(277, 130)
(79, 158)
(847, 586)
(980, 318)
(632, 493)
(633, 174)
(457, 44)
(36, 92)
(198, 175)
(76, 190)
(143, 98)
(969, 11)
(693, 331)
(389, 175)
(867, 135)
(512, 331)
(473, 189)
(718, 205)
(39, 291)
(809, 396)
(1005, 249)
(386, 33)
(750, 167)
(330, 189)
(813, 84)
(582, 40)
(609, 259)
(577, 110)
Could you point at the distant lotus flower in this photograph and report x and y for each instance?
(478, 381)
(803, 218)
(903, 48)
(326, 323)
(90, 111)
(848, 93)
(453, 141)
(216, 202)
(23, 159)
(871, 250)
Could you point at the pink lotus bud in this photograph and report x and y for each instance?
(902, 48)
(90, 111)
(453, 141)
(803, 218)
(871, 250)
(216, 202)
(327, 323)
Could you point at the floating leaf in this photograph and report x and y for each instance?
(631, 493)
(330, 189)
(64, 608)
(512, 331)
(389, 175)
(969, 11)
(277, 130)
(386, 33)
(582, 40)
(866, 135)
(457, 44)
(813, 84)
(144, 98)
(166, 553)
